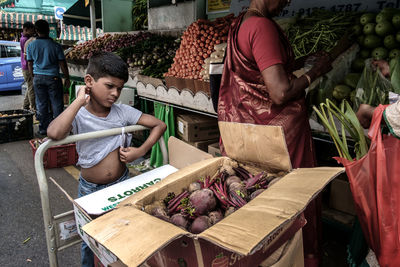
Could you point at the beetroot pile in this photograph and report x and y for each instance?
(209, 200)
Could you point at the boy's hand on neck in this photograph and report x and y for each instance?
(83, 96)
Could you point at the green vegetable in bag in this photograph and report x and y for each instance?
(373, 88)
(352, 79)
(394, 66)
(341, 92)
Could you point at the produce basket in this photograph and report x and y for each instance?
(150, 80)
(16, 125)
(179, 83)
(56, 156)
(202, 86)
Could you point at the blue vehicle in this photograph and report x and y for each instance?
(11, 77)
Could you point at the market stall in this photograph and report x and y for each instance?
(169, 64)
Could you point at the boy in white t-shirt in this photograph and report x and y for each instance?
(102, 160)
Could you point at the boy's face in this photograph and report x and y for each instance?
(105, 91)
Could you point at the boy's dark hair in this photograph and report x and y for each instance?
(104, 64)
(42, 26)
(28, 25)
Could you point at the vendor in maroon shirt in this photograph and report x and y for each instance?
(258, 87)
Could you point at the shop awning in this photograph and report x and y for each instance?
(79, 14)
(16, 20)
(71, 32)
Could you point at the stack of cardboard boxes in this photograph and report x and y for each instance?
(199, 131)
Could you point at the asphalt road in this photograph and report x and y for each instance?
(22, 234)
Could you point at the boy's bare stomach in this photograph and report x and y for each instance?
(106, 171)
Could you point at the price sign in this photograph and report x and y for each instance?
(216, 6)
(306, 7)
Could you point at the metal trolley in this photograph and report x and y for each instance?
(53, 240)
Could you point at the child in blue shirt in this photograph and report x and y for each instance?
(102, 160)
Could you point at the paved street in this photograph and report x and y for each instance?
(22, 235)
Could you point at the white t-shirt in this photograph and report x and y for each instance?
(92, 151)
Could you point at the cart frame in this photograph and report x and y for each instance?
(50, 221)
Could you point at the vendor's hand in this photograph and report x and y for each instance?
(129, 154)
(383, 66)
(83, 95)
(317, 54)
(322, 64)
(364, 115)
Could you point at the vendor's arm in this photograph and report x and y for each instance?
(299, 63)
(262, 37)
(61, 126)
(364, 115)
(157, 129)
(383, 66)
(281, 89)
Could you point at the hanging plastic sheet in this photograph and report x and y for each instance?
(166, 114)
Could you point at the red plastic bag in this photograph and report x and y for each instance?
(374, 182)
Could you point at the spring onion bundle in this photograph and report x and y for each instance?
(349, 124)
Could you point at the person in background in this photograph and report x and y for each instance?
(28, 30)
(45, 58)
(258, 87)
(102, 160)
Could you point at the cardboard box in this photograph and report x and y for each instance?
(203, 145)
(341, 198)
(214, 150)
(289, 254)
(194, 127)
(98, 203)
(245, 238)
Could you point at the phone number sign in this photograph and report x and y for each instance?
(306, 7)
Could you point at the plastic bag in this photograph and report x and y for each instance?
(395, 74)
(166, 114)
(375, 187)
(372, 88)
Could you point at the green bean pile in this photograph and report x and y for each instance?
(320, 31)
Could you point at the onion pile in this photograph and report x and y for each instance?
(197, 44)
(107, 42)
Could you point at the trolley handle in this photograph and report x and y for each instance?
(90, 135)
(42, 181)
